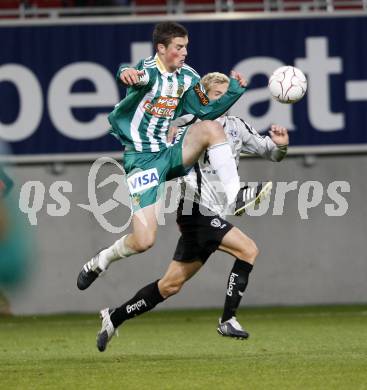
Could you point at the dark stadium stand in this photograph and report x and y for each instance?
(251, 5)
(203, 6)
(34, 8)
(150, 7)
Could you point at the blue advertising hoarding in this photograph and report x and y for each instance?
(57, 82)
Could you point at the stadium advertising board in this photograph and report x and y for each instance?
(57, 82)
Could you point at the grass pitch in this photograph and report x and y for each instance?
(289, 348)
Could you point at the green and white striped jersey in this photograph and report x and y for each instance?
(142, 119)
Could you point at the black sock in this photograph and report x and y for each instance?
(144, 300)
(236, 286)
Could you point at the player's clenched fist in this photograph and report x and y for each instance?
(131, 76)
(239, 77)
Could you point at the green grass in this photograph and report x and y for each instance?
(289, 348)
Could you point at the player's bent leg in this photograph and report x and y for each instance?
(145, 299)
(144, 229)
(141, 239)
(244, 249)
(239, 245)
(199, 137)
(176, 275)
(210, 135)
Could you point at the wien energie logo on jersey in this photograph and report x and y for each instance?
(164, 107)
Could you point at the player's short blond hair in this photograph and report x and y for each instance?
(214, 78)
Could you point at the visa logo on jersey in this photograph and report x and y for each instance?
(143, 180)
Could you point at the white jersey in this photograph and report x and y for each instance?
(202, 184)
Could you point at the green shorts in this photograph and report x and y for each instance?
(147, 172)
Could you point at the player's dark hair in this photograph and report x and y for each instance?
(164, 32)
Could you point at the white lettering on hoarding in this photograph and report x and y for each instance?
(61, 100)
(30, 102)
(317, 64)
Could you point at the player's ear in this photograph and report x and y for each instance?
(161, 48)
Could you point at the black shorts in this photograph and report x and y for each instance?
(200, 236)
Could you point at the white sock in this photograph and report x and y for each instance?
(116, 251)
(222, 160)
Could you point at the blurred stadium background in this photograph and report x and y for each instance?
(57, 64)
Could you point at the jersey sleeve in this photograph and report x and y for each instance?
(255, 144)
(197, 103)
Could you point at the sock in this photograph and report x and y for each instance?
(236, 286)
(144, 300)
(222, 160)
(115, 252)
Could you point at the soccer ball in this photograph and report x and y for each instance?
(287, 84)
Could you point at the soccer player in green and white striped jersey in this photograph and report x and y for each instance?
(160, 88)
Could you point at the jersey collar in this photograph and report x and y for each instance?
(162, 68)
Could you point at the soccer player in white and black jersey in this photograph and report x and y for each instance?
(200, 217)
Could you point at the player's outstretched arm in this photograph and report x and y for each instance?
(273, 148)
(197, 103)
